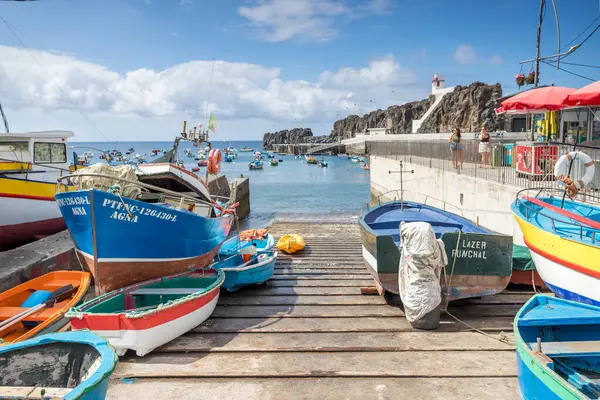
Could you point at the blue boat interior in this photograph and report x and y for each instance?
(570, 339)
(385, 219)
(233, 245)
(561, 225)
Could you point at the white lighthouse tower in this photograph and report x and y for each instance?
(437, 84)
(438, 90)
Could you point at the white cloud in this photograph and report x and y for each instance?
(496, 60)
(464, 54)
(315, 20)
(240, 90)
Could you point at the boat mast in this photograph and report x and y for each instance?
(212, 70)
(4, 119)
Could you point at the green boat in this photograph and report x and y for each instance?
(479, 260)
(558, 349)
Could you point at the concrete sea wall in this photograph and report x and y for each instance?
(477, 199)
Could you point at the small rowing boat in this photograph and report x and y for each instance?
(259, 238)
(558, 349)
(68, 365)
(240, 273)
(480, 260)
(23, 312)
(146, 315)
(311, 160)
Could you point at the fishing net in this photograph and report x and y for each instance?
(125, 182)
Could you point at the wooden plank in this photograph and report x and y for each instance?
(570, 349)
(282, 282)
(291, 311)
(342, 277)
(318, 388)
(314, 265)
(259, 300)
(333, 342)
(316, 364)
(346, 324)
(295, 291)
(312, 271)
(357, 299)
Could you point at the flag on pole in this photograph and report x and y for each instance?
(212, 123)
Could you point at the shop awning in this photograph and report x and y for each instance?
(549, 98)
(587, 96)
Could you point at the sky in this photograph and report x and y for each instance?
(128, 70)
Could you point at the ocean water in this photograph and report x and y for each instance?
(291, 191)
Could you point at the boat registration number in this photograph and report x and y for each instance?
(135, 211)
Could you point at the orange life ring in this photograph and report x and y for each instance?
(214, 161)
(251, 234)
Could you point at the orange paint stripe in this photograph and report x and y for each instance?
(26, 196)
(564, 263)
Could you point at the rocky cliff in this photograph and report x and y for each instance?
(397, 119)
(467, 108)
(292, 136)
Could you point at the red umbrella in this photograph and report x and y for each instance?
(549, 98)
(586, 96)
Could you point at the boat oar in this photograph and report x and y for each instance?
(58, 295)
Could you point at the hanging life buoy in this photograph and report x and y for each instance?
(561, 169)
(214, 161)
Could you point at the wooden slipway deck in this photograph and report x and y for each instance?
(308, 333)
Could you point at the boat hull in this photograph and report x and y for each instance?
(33, 211)
(480, 265)
(154, 241)
(236, 278)
(535, 380)
(70, 351)
(149, 330)
(570, 269)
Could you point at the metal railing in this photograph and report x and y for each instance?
(437, 154)
(408, 195)
(533, 210)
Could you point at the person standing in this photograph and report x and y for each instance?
(456, 148)
(485, 148)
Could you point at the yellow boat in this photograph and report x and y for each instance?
(291, 243)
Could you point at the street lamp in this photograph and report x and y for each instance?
(572, 49)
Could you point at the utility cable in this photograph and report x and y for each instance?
(570, 72)
(52, 79)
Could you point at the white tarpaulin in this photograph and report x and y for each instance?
(127, 189)
(421, 261)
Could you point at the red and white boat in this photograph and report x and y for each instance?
(146, 315)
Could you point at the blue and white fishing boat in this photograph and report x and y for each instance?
(480, 260)
(240, 273)
(235, 244)
(131, 225)
(255, 164)
(558, 349)
(69, 365)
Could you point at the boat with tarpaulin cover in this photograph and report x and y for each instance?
(480, 260)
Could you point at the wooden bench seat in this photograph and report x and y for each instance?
(182, 291)
(569, 349)
(39, 316)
